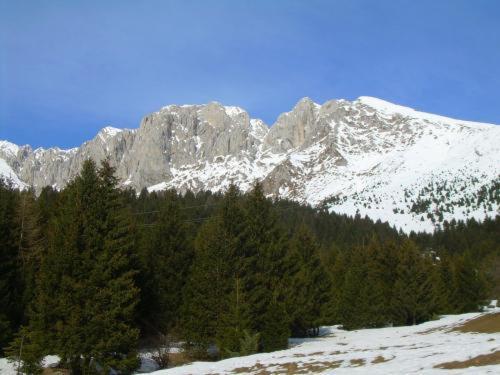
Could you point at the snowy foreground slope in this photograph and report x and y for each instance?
(421, 349)
(400, 350)
(412, 169)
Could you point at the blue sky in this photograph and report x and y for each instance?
(68, 68)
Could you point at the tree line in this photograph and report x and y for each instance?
(90, 271)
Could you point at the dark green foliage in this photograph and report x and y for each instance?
(265, 279)
(86, 295)
(205, 295)
(308, 284)
(469, 286)
(274, 332)
(26, 351)
(86, 271)
(11, 310)
(165, 257)
(384, 284)
(413, 293)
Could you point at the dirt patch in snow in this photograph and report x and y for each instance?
(480, 360)
(289, 368)
(357, 362)
(489, 323)
(179, 359)
(55, 371)
(380, 359)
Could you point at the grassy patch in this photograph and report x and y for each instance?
(179, 359)
(289, 368)
(380, 359)
(257, 367)
(55, 371)
(480, 360)
(489, 323)
(357, 362)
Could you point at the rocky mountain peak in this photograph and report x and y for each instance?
(367, 155)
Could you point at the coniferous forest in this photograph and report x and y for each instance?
(90, 272)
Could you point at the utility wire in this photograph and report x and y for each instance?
(200, 219)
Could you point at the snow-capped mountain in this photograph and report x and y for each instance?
(389, 162)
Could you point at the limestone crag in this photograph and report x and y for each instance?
(366, 155)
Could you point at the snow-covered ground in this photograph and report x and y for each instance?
(396, 350)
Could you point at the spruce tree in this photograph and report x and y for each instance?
(352, 303)
(413, 293)
(86, 295)
(207, 288)
(165, 256)
(30, 243)
(308, 285)
(470, 287)
(265, 281)
(215, 308)
(10, 273)
(381, 264)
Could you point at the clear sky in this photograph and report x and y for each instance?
(68, 67)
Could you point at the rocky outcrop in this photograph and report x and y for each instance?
(340, 149)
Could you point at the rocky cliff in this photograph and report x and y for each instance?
(368, 156)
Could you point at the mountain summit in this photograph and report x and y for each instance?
(393, 163)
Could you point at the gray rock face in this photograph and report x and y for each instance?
(311, 154)
(172, 138)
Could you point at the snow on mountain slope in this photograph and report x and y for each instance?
(7, 173)
(412, 169)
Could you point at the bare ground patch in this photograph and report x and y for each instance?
(357, 362)
(289, 368)
(489, 323)
(480, 360)
(55, 371)
(179, 359)
(380, 359)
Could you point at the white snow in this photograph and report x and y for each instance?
(258, 129)
(9, 149)
(357, 164)
(368, 163)
(233, 111)
(10, 368)
(406, 350)
(8, 174)
(108, 132)
(388, 107)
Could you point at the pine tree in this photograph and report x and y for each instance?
(207, 288)
(413, 293)
(233, 334)
(265, 279)
(86, 295)
(308, 286)
(443, 284)
(234, 325)
(381, 264)
(10, 274)
(166, 256)
(30, 243)
(274, 333)
(352, 304)
(215, 308)
(470, 287)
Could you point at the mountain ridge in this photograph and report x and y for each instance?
(342, 154)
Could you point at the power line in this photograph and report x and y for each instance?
(180, 208)
(200, 219)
